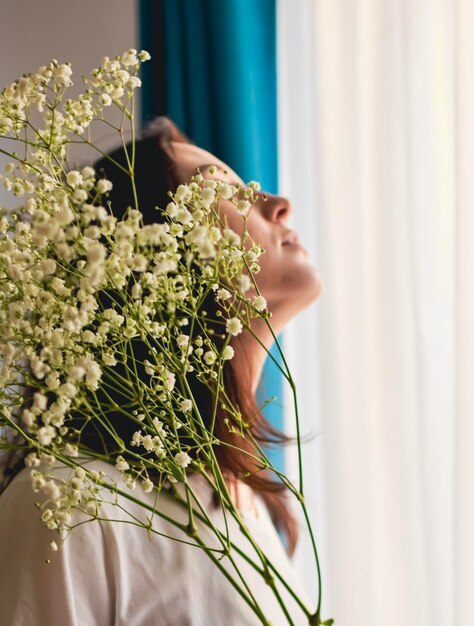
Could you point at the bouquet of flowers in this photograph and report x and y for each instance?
(104, 316)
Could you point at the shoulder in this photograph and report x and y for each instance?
(132, 562)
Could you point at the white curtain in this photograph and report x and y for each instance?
(376, 104)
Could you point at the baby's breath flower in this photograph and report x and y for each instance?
(147, 485)
(143, 55)
(74, 178)
(129, 57)
(103, 185)
(243, 207)
(228, 353)
(234, 326)
(245, 282)
(255, 186)
(182, 459)
(182, 194)
(259, 303)
(209, 357)
(186, 405)
(121, 464)
(223, 294)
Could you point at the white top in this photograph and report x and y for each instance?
(116, 574)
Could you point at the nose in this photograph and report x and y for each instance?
(276, 208)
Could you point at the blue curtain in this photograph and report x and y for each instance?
(213, 71)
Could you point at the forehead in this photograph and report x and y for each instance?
(189, 157)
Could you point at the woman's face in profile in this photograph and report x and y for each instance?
(287, 280)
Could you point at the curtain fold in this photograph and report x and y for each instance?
(463, 496)
(391, 151)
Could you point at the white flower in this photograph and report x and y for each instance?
(129, 57)
(91, 508)
(40, 401)
(88, 172)
(243, 207)
(121, 464)
(62, 75)
(105, 99)
(245, 282)
(182, 459)
(231, 237)
(170, 380)
(80, 195)
(183, 193)
(109, 359)
(46, 435)
(159, 427)
(147, 485)
(208, 196)
(234, 326)
(226, 191)
(93, 375)
(207, 250)
(54, 546)
(209, 357)
(134, 82)
(223, 294)
(186, 405)
(228, 353)
(259, 303)
(51, 490)
(254, 185)
(74, 178)
(71, 450)
(183, 216)
(171, 209)
(144, 55)
(52, 381)
(139, 262)
(147, 443)
(103, 185)
(47, 267)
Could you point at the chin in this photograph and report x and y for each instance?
(296, 294)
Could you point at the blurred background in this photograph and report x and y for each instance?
(360, 111)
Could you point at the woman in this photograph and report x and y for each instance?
(115, 573)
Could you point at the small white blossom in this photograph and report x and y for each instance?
(209, 357)
(105, 99)
(186, 405)
(74, 178)
(243, 207)
(228, 353)
(245, 282)
(182, 459)
(147, 485)
(103, 185)
(234, 326)
(143, 55)
(259, 303)
(121, 464)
